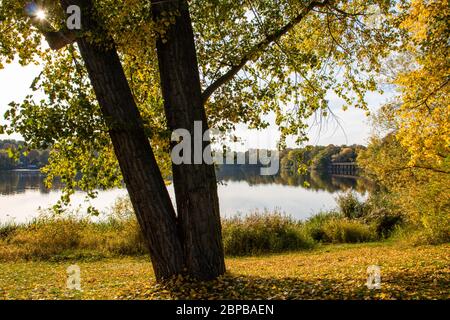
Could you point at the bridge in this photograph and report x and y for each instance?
(343, 168)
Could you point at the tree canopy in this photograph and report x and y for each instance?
(410, 154)
(424, 111)
(255, 58)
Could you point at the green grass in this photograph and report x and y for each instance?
(328, 272)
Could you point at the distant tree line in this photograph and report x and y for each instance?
(15, 155)
(318, 158)
(314, 180)
(298, 160)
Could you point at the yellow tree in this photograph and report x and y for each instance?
(412, 160)
(424, 111)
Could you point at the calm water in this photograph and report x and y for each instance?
(22, 193)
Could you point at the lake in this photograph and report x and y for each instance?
(241, 190)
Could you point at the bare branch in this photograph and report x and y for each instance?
(258, 48)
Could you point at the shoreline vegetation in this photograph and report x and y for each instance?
(269, 256)
(65, 236)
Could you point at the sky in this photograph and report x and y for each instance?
(15, 82)
(346, 128)
(354, 128)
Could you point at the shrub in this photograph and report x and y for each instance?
(412, 233)
(46, 236)
(314, 226)
(115, 237)
(51, 236)
(119, 234)
(384, 222)
(350, 206)
(263, 233)
(347, 231)
(6, 230)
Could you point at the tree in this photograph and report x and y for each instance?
(279, 59)
(423, 111)
(147, 191)
(43, 157)
(346, 154)
(33, 157)
(323, 159)
(420, 195)
(195, 184)
(6, 162)
(413, 160)
(404, 188)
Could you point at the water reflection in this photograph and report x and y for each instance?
(314, 180)
(14, 182)
(19, 181)
(241, 190)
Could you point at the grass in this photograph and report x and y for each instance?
(270, 256)
(328, 272)
(265, 232)
(50, 238)
(347, 231)
(53, 238)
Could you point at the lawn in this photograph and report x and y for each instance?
(328, 272)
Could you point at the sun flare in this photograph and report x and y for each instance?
(41, 15)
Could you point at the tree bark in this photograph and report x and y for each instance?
(140, 171)
(195, 184)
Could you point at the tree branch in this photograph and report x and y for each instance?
(419, 167)
(59, 39)
(256, 50)
(425, 100)
(345, 13)
(55, 39)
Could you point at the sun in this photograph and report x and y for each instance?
(41, 15)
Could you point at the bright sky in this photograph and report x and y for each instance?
(15, 81)
(352, 126)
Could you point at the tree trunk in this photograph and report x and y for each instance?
(140, 171)
(195, 184)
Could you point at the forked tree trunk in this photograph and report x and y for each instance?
(195, 184)
(192, 242)
(140, 171)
